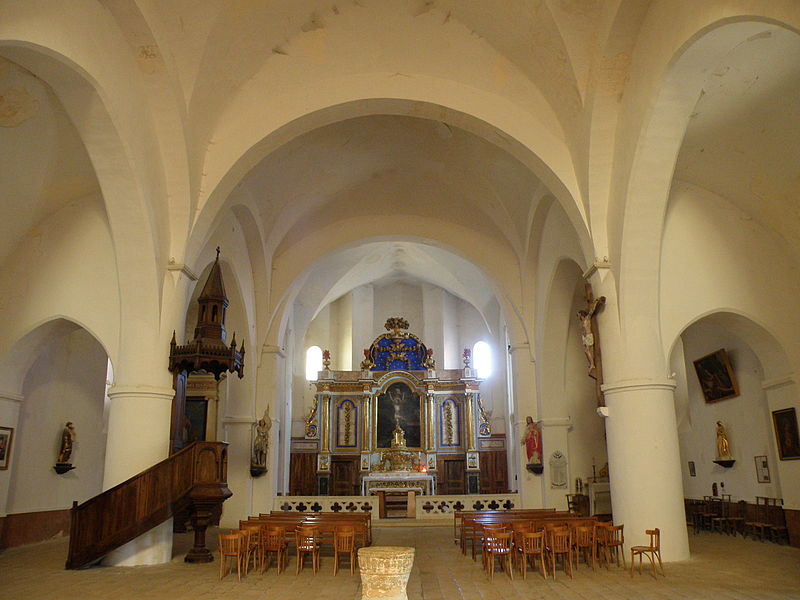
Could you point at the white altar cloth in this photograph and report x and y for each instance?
(398, 480)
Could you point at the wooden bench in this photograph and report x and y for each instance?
(459, 515)
(326, 523)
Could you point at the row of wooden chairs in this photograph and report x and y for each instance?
(518, 548)
(255, 542)
(522, 546)
(764, 521)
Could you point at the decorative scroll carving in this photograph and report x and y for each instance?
(311, 421)
(484, 426)
(397, 349)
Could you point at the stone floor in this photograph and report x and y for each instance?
(722, 567)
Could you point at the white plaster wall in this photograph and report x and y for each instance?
(746, 418)
(64, 267)
(65, 383)
(399, 299)
(716, 258)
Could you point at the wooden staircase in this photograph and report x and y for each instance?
(193, 479)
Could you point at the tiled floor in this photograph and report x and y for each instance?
(722, 567)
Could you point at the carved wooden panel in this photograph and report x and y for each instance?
(344, 475)
(494, 472)
(452, 474)
(303, 474)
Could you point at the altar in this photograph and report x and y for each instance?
(397, 481)
(395, 425)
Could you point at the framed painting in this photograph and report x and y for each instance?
(785, 421)
(399, 406)
(762, 469)
(6, 437)
(692, 470)
(717, 379)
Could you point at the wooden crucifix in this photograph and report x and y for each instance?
(591, 339)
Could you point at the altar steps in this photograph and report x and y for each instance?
(413, 523)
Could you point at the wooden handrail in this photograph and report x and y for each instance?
(196, 476)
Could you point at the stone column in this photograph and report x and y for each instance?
(385, 571)
(138, 438)
(366, 436)
(523, 369)
(644, 463)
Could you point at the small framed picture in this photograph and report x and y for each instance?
(786, 435)
(472, 461)
(716, 376)
(6, 437)
(692, 472)
(762, 469)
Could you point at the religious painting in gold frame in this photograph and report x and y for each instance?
(401, 405)
(716, 376)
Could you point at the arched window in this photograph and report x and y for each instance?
(313, 362)
(482, 359)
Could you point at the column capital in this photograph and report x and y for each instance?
(638, 385)
(273, 349)
(12, 397)
(767, 384)
(141, 392)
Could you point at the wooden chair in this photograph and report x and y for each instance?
(532, 545)
(254, 549)
(759, 525)
(307, 542)
(488, 531)
(615, 544)
(518, 528)
(344, 542)
(601, 543)
(653, 552)
(583, 542)
(498, 544)
(230, 547)
(274, 540)
(560, 543)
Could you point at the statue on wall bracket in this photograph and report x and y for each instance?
(258, 455)
(533, 445)
(724, 457)
(68, 438)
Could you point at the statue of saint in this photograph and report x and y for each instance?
(723, 446)
(261, 440)
(68, 438)
(533, 441)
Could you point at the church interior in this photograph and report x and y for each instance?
(403, 258)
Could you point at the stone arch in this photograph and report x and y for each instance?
(292, 268)
(647, 187)
(15, 364)
(57, 371)
(532, 144)
(765, 383)
(765, 344)
(133, 224)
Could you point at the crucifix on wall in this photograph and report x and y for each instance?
(591, 339)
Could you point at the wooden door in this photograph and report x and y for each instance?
(494, 472)
(303, 474)
(344, 476)
(452, 475)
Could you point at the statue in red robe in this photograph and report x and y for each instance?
(533, 441)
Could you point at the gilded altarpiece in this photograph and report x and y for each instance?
(396, 414)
